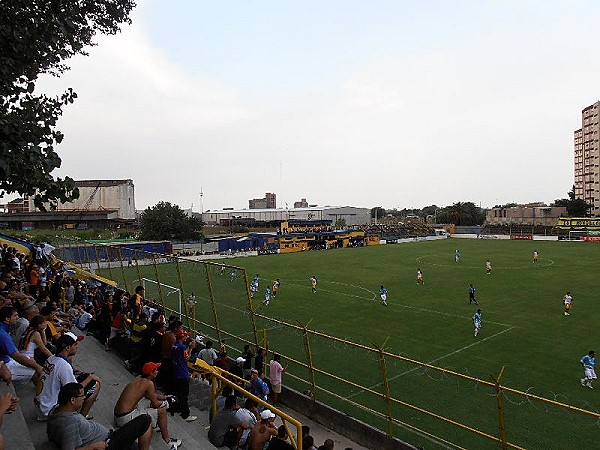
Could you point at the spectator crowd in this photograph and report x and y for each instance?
(45, 312)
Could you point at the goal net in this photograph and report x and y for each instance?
(171, 296)
(577, 235)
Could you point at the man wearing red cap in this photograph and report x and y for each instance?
(181, 380)
(139, 388)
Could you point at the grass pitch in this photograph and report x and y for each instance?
(524, 330)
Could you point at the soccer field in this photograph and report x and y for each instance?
(524, 330)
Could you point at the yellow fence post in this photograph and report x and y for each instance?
(250, 308)
(182, 294)
(311, 369)
(87, 258)
(125, 282)
(137, 266)
(386, 386)
(160, 293)
(500, 406)
(212, 302)
(107, 250)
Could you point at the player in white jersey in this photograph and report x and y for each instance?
(275, 287)
(313, 283)
(536, 256)
(477, 319)
(568, 301)
(420, 279)
(488, 267)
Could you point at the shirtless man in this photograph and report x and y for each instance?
(141, 387)
(262, 431)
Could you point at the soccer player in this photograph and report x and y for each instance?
(383, 295)
(477, 321)
(267, 297)
(472, 295)
(589, 363)
(457, 255)
(488, 267)
(232, 274)
(420, 279)
(275, 287)
(568, 301)
(313, 283)
(536, 256)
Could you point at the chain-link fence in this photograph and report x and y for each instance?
(420, 403)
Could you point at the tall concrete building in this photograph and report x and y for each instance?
(263, 203)
(587, 158)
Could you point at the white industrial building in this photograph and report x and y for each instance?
(352, 215)
(103, 195)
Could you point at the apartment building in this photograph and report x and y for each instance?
(587, 158)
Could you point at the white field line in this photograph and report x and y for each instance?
(448, 314)
(433, 361)
(424, 259)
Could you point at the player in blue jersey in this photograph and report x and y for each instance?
(254, 285)
(589, 364)
(472, 295)
(477, 319)
(457, 255)
(267, 297)
(383, 295)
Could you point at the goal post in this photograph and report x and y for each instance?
(577, 235)
(171, 296)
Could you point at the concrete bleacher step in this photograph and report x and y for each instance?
(14, 429)
(92, 357)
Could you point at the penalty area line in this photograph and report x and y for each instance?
(433, 361)
(447, 314)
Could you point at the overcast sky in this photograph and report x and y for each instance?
(385, 103)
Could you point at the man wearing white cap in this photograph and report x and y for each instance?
(57, 371)
(262, 431)
(237, 369)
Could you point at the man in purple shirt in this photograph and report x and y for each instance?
(181, 381)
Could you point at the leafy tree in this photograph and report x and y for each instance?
(378, 212)
(576, 207)
(169, 222)
(462, 214)
(36, 37)
(340, 223)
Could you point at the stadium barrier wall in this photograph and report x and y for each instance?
(433, 404)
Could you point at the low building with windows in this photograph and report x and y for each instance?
(350, 214)
(531, 214)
